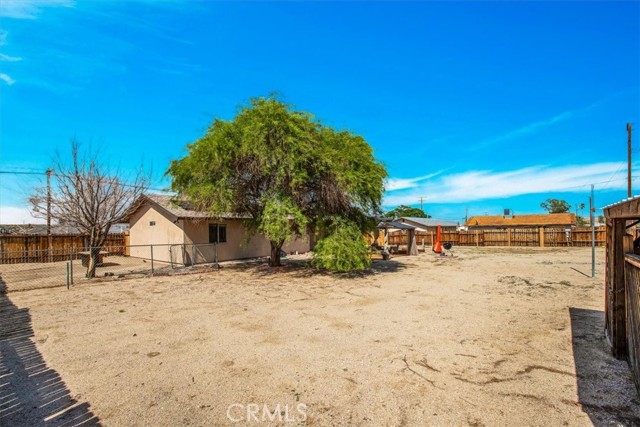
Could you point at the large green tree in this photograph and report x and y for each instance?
(406, 211)
(283, 168)
(556, 206)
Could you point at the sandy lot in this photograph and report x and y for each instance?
(491, 337)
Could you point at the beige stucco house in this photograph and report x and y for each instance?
(183, 235)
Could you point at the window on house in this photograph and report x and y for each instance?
(217, 233)
(152, 223)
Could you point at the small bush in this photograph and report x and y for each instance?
(342, 250)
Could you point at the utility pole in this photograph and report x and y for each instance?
(593, 233)
(421, 198)
(629, 129)
(49, 172)
(466, 215)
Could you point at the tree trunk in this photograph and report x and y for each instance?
(94, 257)
(96, 241)
(274, 260)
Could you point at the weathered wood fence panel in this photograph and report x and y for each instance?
(632, 290)
(577, 236)
(35, 247)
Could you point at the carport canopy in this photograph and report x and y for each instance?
(389, 226)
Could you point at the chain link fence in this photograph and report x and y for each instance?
(34, 269)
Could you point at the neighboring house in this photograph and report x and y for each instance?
(428, 224)
(558, 220)
(184, 235)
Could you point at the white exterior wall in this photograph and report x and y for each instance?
(195, 235)
(163, 234)
(236, 246)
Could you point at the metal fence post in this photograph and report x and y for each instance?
(68, 284)
(193, 254)
(71, 264)
(151, 247)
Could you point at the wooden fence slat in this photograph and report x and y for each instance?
(554, 237)
(632, 290)
(19, 248)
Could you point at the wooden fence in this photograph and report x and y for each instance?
(622, 283)
(577, 236)
(632, 286)
(19, 248)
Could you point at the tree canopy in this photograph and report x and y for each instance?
(555, 206)
(285, 169)
(406, 211)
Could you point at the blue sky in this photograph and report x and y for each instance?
(478, 105)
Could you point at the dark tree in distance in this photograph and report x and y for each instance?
(556, 206)
(406, 211)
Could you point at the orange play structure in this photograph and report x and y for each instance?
(437, 245)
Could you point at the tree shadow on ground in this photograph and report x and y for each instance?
(606, 391)
(301, 268)
(108, 264)
(32, 394)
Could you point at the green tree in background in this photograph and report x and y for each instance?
(406, 211)
(284, 169)
(556, 206)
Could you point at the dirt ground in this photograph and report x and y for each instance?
(490, 337)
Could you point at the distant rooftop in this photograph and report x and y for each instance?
(560, 219)
(41, 229)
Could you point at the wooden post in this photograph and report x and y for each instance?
(71, 264)
(618, 330)
(508, 237)
(477, 240)
(541, 236)
(629, 129)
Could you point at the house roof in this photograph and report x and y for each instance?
(625, 209)
(522, 220)
(395, 225)
(180, 208)
(427, 222)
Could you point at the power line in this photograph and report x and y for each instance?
(164, 190)
(22, 173)
(613, 174)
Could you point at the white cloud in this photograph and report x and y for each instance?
(18, 215)
(528, 129)
(8, 58)
(394, 184)
(534, 127)
(30, 9)
(5, 78)
(486, 184)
